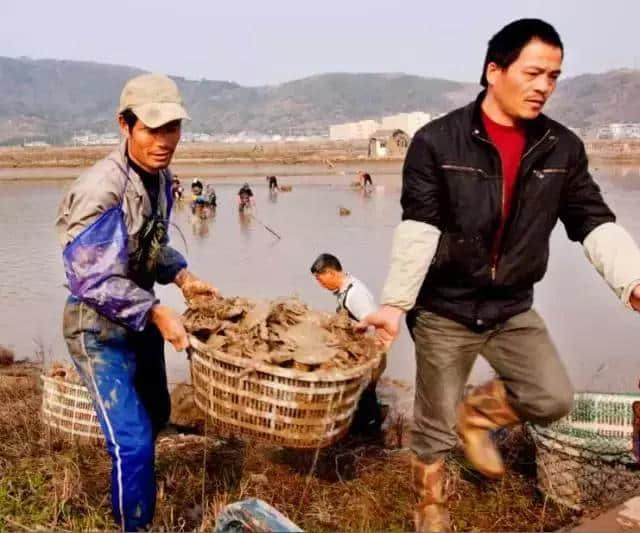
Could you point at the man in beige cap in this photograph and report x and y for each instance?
(112, 223)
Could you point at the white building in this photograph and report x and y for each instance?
(624, 130)
(353, 130)
(407, 122)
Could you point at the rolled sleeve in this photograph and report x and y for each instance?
(414, 246)
(616, 256)
(170, 262)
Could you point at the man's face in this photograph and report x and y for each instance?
(329, 279)
(522, 89)
(152, 149)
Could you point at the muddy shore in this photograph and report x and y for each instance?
(360, 484)
(244, 160)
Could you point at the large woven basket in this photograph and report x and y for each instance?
(586, 458)
(68, 410)
(282, 406)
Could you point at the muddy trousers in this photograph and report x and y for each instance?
(126, 376)
(520, 352)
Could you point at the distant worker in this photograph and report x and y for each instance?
(210, 196)
(245, 197)
(366, 180)
(196, 188)
(273, 183)
(177, 190)
(356, 299)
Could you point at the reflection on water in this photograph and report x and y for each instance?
(596, 336)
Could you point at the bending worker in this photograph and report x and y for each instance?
(113, 224)
(482, 189)
(356, 299)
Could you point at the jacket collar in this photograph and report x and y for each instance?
(121, 159)
(535, 129)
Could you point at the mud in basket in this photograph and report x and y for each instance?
(282, 406)
(586, 459)
(67, 410)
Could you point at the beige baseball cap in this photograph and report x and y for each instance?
(154, 98)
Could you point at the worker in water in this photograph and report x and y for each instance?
(177, 190)
(354, 298)
(210, 196)
(245, 197)
(113, 225)
(273, 183)
(366, 181)
(196, 188)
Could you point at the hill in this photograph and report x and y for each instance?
(52, 99)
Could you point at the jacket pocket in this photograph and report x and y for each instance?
(464, 168)
(460, 259)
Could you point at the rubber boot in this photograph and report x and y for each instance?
(484, 409)
(429, 480)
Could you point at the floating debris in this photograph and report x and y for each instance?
(344, 211)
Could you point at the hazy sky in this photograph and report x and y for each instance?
(271, 41)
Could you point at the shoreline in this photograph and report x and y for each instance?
(245, 168)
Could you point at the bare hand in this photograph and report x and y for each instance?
(386, 320)
(634, 299)
(170, 326)
(193, 286)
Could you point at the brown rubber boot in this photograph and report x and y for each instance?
(431, 514)
(484, 409)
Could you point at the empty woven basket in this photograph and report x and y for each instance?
(283, 406)
(585, 458)
(68, 410)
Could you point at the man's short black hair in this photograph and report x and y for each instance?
(130, 118)
(506, 45)
(324, 262)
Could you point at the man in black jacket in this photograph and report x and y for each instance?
(483, 188)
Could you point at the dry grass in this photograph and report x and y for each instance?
(358, 485)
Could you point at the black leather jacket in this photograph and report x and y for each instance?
(452, 179)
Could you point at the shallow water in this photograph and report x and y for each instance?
(596, 335)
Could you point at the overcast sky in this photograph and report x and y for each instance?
(271, 41)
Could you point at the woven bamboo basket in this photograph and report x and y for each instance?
(68, 410)
(586, 458)
(282, 406)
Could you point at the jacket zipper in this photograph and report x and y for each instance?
(463, 169)
(494, 259)
(494, 264)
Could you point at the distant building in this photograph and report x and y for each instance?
(407, 122)
(36, 144)
(353, 130)
(95, 139)
(386, 143)
(624, 130)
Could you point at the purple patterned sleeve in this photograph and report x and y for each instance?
(96, 264)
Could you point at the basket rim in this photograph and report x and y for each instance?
(291, 373)
(621, 395)
(53, 381)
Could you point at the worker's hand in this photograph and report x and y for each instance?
(170, 326)
(192, 286)
(634, 299)
(386, 320)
